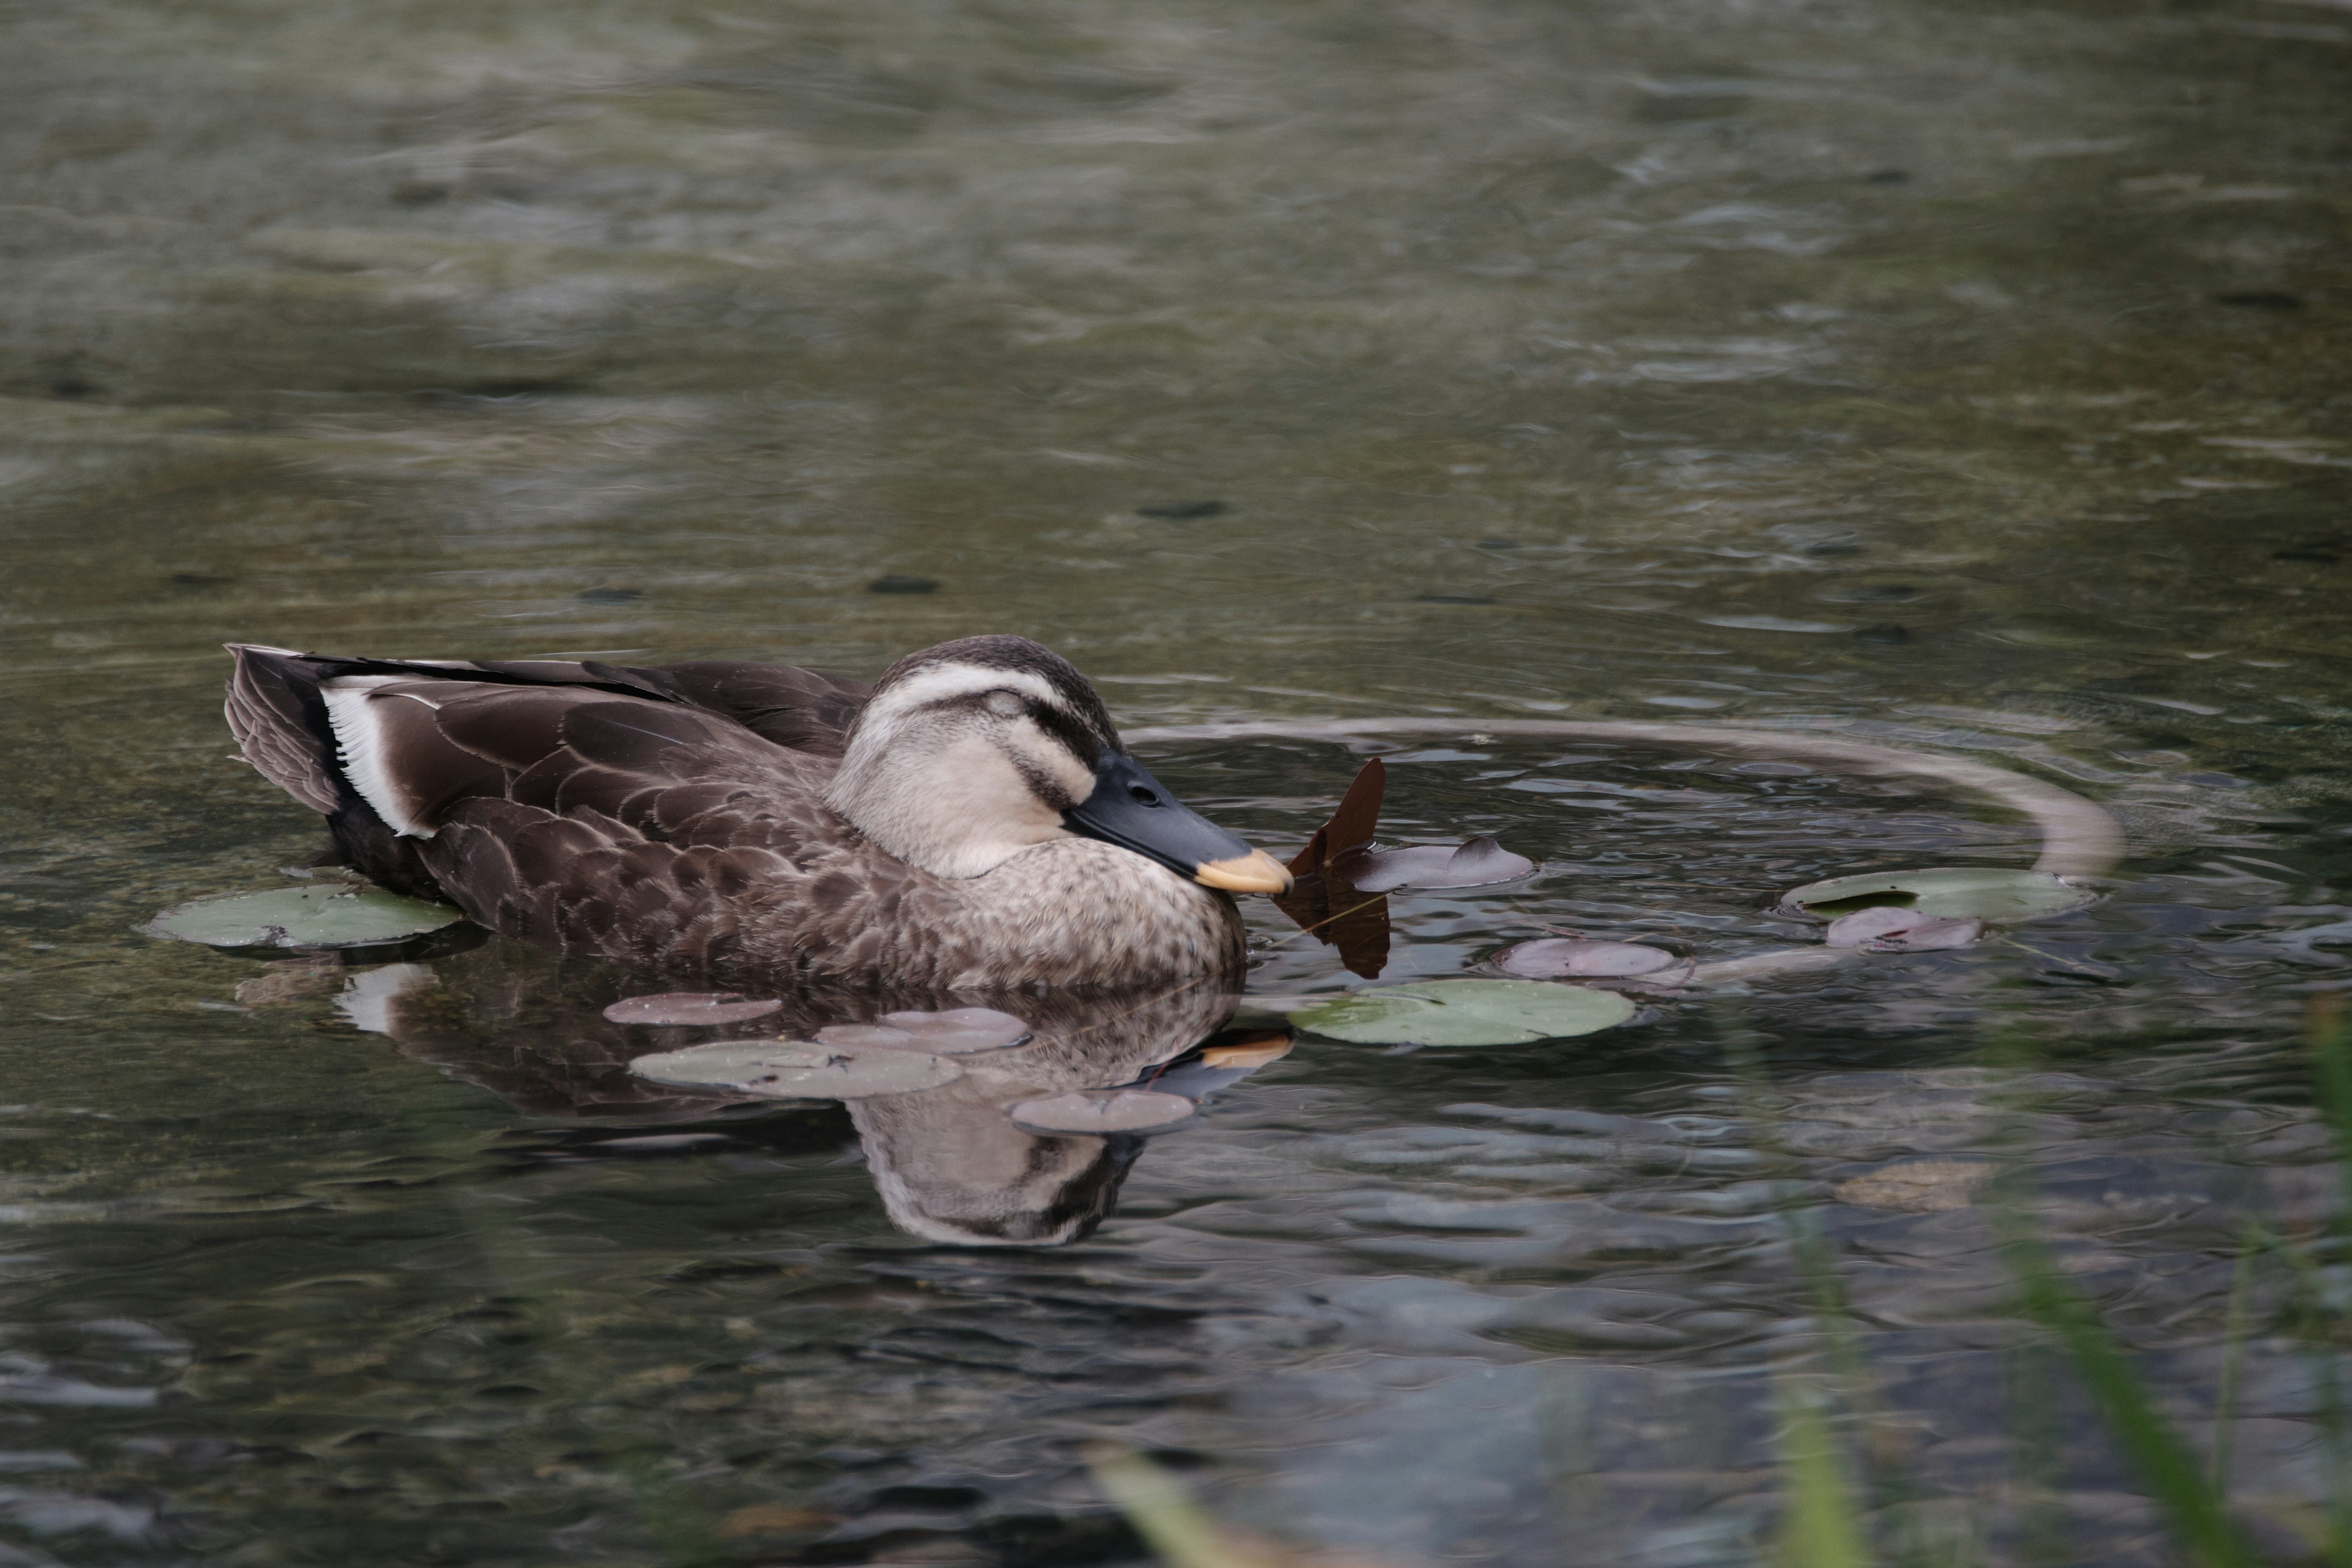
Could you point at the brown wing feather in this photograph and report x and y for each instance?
(801, 708)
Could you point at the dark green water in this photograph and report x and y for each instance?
(1964, 377)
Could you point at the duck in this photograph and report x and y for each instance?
(971, 822)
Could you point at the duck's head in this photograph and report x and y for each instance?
(969, 752)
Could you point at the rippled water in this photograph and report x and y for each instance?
(1963, 378)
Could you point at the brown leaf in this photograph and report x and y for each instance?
(1336, 913)
(1338, 916)
(1918, 1186)
(1352, 825)
(1250, 1051)
(769, 1519)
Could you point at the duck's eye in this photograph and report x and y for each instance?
(1005, 705)
(1142, 796)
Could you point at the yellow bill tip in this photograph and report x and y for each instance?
(1256, 872)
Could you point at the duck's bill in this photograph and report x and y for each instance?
(1135, 810)
(1256, 872)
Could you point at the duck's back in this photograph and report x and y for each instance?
(650, 813)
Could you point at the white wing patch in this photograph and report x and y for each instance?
(359, 736)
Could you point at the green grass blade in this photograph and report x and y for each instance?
(2234, 1358)
(1175, 1527)
(2332, 1064)
(2165, 1465)
(1821, 1527)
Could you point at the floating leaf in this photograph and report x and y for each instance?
(1338, 916)
(1865, 926)
(330, 916)
(1929, 936)
(1883, 928)
(1918, 1186)
(1946, 893)
(1467, 1013)
(956, 1033)
(1099, 1111)
(1250, 1051)
(960, 1029)
(792, 1069)
(1480, 862)
(1334, 912)
(1566, 957)
(682, 1008)
(865, 1037)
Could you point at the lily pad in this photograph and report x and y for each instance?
(1567, 957)
(793, 1069)
(680, 1007)
(325, 916)
(1929, 936)
(1944, 893)
(1467, 1013)
(960, 1029)
(1100, 1111)
(1885, 928)
(1476, 863)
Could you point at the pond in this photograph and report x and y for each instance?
(1960, 379)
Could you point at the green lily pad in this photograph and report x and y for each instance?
(793, 1069)
(330, 915)
(1467, 1013)
(1946, 893)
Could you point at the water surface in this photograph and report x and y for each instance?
(1967, 378)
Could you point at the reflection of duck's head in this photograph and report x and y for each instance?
(969, 752)
(952, 1166)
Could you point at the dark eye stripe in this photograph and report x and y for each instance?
(1071, 734)
(1081, 741)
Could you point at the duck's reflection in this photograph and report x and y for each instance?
(949, 1165)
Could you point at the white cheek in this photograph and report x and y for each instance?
(978, 782)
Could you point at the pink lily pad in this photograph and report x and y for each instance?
(1476, 863)
(674, 1009)
(957, 1032)
(1098, 1111)
(1865, 926)
(1566, 958)
(1929, 936)
(960, 1029)
(1887, 929)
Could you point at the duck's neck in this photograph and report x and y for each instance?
(1075, 912)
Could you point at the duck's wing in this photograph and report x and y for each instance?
(599, 806)
(806, 709)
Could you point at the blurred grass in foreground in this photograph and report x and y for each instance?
(1841, 1480)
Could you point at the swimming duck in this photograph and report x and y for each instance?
(969, 822)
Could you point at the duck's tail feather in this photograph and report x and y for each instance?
(280, 720)
(279, 717)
